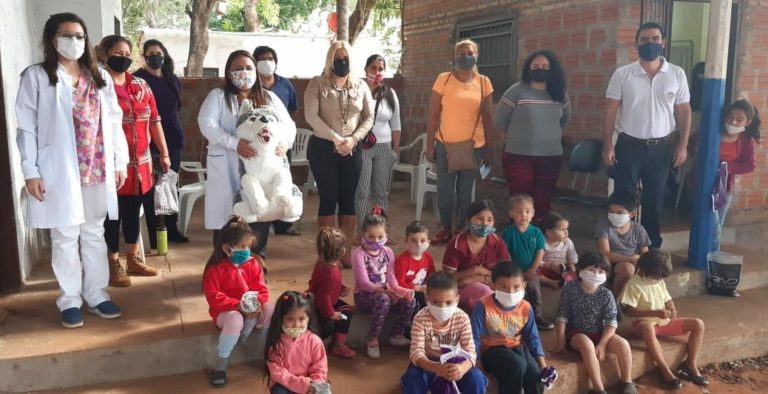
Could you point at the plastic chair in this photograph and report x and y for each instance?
(189, 193)
(426, 182)
(586, 157)
(408, 168)
(299, 158)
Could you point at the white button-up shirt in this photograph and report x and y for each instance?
(648, 105)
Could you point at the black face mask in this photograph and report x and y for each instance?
(539, 75)
(155, 61)
(119, 63)
(341, 67)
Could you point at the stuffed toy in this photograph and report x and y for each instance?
(267, 191)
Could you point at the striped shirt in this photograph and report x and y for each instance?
(534, 122)
(427, 336)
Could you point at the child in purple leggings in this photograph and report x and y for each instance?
(376, 289)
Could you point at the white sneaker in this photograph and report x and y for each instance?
(399, 341)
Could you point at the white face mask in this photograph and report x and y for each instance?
(243, 79)
(592, 279)
(733, 129)
(509, 300)
(618, 219)
(266, 67)
(419, 249)
(70, 49)
(442, 314)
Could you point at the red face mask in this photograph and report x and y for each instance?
(376, 79)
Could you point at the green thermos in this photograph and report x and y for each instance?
(162, 240)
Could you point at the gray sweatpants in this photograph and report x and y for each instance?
(454, 189)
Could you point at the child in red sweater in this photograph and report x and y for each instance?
(295, 356)
(334, 314)
(415, 265)
(230, 273)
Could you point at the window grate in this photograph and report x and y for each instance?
(497, 41)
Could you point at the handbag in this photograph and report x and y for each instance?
(461, 155)
(370, 139)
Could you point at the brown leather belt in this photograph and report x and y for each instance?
(644, 142)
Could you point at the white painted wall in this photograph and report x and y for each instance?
(299, 55)
(20, 46)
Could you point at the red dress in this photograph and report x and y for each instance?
(139, 110)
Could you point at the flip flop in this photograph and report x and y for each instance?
(685, 373)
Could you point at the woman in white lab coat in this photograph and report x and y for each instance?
(218, 121)
(73, 157)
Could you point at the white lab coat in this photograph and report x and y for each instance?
(218, 124)
(46, 140)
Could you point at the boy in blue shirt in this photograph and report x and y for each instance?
(526, 247)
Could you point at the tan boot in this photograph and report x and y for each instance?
(117, 275)
(348, 224)
(136, 267)
(326, 221)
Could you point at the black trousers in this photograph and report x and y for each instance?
(336, 176)
(649, 163)
(514, 369)
(128, 217)
(329, 327)
(261, 229)
(280, 226)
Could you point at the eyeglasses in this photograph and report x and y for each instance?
(72, 36)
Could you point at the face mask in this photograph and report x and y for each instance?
(509, 300)
(618, 219)
(341, 67)
(733, 129)
(539, 75)
(649, 51)
(481, 230)
(374, 246)
(294, 332)
(441, 314)
(119, 63)
(375, 79)
(266, 67)
(239, 257)
(70, 49)
(592, 279)
(419, 249)
(155, 61)
(243, 79)
(465, 62)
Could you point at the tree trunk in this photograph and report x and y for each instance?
(153, 7)
(342, 20)
(359, 18)
(250, 18)
(198, 36)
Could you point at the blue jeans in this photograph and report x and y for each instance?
(719, 222)
(418, 381)
(454, 189)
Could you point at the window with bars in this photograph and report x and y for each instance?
(497, 43)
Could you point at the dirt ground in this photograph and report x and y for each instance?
(733, 377)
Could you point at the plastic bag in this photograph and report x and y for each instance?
(723, 273)
(454, 355)
(249, 303)
(167, 194)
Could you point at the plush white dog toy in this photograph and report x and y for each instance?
(267, 191)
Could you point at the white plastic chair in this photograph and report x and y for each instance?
(299, 158)
(426, 182)
(189, 193)
(408, 168)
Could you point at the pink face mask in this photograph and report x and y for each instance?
(376, 78)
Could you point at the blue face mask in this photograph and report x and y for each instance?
(481, 230)
(238, 257)
(649, 51)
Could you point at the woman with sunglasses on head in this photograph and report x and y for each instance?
(141, 125)
(166, 87)
(73, 157)
(218, 123)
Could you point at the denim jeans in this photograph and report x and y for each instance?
(719, 222)
(454, 189)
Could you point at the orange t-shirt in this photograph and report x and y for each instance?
(460, 108)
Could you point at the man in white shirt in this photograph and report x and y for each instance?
(652, 99)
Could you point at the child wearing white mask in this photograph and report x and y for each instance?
(504, 329)
(620, 239)
(441, 323)
(587, 323)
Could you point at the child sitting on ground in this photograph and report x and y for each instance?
(441, 323)
(526, 247)
(587, 323)
(559, 252)
(504, 329)
(294, 355)
(334, 314)
(646, 298)
(376, 289)
(231, 272)
(620, 239)
(414, 266)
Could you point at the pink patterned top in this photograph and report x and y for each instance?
(86, 113)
